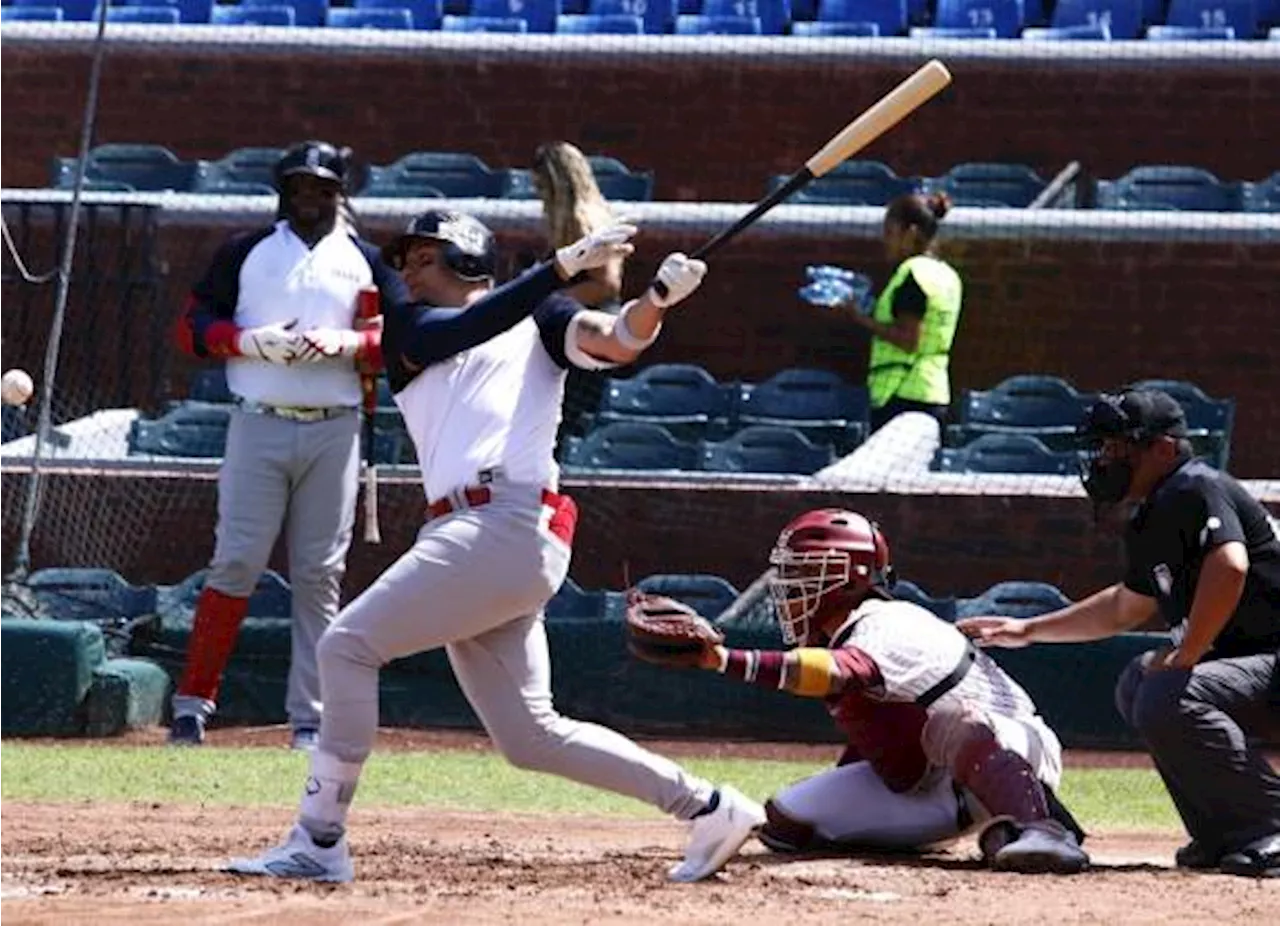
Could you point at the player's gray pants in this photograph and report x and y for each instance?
(302, 476)
(1201, 727)
(476, 581)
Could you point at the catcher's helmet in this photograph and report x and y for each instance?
(826, 556)
(316, 158)
(470, 249)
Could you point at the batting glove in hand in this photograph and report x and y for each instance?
(273, 343)
(320, 344)
(596, 249)
(681, 275)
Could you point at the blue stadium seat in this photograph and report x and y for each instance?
(426, 14)
(1044, 407)
(72, 10)
(305, 12)
(1122, 17)
(1175, 187)
(210, 385)
(1013, 185)
(890, 16)
(539, 14)
(1209, 421)
(1264, 196)
(1100, 33)
(951, 32)
(853, 183)
(706, 594)
(348, 18)
(141, 167)
(168, 438)
(31, 14)
(659, 15)
(1240, 15)
(210, 176)
(189, 11)
(572, 602)
(774, 15)
(1014, 599)
(682, 397)
(591, 24)
(766, 449)
(718, 25)
(619, 182)
(436, 172)
(820, 29)
(1006, 453)
(944, 608)
(1004, 16)
(250, 165)
(630, 445)
(1190, 34)
(802, 398)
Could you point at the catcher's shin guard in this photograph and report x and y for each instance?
(1003, 781)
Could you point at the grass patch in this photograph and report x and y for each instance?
(1100, 798)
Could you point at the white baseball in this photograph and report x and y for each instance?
(16, 387)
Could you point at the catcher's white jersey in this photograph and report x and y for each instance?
(914, 650)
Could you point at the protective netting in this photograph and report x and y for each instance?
(1113, 221)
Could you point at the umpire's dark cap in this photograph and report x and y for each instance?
(1135, 414)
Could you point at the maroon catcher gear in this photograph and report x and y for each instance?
(824, 560)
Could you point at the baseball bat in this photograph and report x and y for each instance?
(887, 112)
(369, 306)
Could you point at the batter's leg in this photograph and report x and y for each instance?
(321, 517)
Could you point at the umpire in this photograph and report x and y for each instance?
(1203, 555)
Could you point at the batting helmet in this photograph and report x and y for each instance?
(825, 557)
(316, 158)
(470, 249)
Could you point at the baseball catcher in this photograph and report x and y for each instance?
(940, 739)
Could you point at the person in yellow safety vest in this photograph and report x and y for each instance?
(913, 324)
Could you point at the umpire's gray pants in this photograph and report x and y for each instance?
(476, 582)
(1202, 728)
(303, 476)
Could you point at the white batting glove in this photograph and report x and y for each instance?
(321, 344)
(596, 249)
(273, 343)
(681, 275)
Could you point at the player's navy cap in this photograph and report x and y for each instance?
(1134, 414)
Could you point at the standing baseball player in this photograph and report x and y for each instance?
(939, 737)
(1204, 557)
(496, 543)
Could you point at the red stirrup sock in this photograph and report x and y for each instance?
(213, 637)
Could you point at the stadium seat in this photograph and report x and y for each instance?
(766, 449)
(72, 10)
(1190, 34)
(1014, 599)
(706, 594)
(426, 14)
(1044, 407)
(140, 167)
(853, 183)
(572, 602)
(619, 182)
(1004, 16)
(191, 429)
(944, 608)
(1174, 187)
(591, 24)
(100, 596)
(1122, 17)
(250, 165)
(774, 15)
(539, 14)
(1013, 185)
(683, 398)
(1100, 33)
(889, 16)
(436, 173)
(1209, 421)
(952, 32)
(1264, 196)
(305, 12)
(210, 385)
(630, 445)
(348, 18)
(1006, 453)
(718, 25)
(802, 398)
(210, 177)
(272, 596)
(819, 29)
(31, 14)
(1240, 15)
(189, 11)
(659, 15)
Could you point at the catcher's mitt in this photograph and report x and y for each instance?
(668, 632)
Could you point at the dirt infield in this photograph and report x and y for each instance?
(158, 863)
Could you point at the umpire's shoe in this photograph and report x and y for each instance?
(299, 857)
(1041, 847)
(718, 834)
(1259, 859)
(187, 731)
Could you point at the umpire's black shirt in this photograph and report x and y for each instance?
(1194, 510)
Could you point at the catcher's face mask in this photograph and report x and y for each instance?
(801, 583)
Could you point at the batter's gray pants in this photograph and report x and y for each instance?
(1202, 728)
(302, 476)
(476, 582)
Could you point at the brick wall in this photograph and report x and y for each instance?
(713, 127)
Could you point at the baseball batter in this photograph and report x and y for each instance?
(938, 735)
(278, 304)
(496, 543)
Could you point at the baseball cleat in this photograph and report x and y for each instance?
(299, 857)
(186, 731)
(718, 835)
(1042, 847)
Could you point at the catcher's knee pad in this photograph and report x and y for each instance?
(949, 729)
(781, 833)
